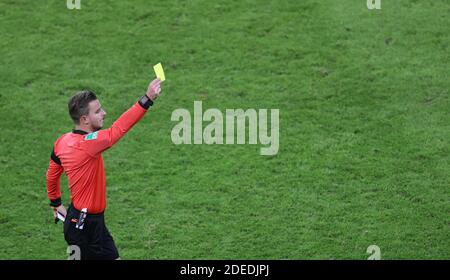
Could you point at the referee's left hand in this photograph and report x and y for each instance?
(154, 89)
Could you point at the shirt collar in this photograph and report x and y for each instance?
(77, 131)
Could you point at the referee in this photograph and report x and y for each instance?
(79, 155)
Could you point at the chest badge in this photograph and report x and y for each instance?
(91, 136)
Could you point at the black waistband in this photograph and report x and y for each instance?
(77, 212)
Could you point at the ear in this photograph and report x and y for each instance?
(84, 119)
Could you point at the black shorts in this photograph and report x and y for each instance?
(94, 240)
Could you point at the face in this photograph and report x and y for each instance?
(96, 115)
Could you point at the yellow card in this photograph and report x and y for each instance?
(159, 72)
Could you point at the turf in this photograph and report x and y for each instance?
(364, 126)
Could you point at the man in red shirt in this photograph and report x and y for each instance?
(78, 154)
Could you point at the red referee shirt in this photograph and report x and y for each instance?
(78, 154)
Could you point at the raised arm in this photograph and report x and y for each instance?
(98, 141)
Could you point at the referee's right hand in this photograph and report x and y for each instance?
(61, 209)
(154, 89)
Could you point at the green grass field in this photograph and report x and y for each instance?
(364, 126)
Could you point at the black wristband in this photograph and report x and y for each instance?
(145, 102)
(55, 202)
